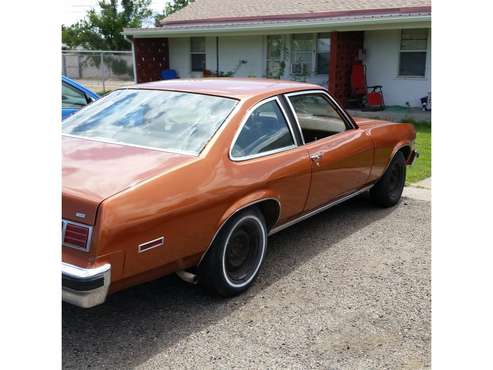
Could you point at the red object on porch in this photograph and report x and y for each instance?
(360, 96)
(151, 57)
(358, 79)
(375, 99)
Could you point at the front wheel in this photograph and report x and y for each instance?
(388, 190)
(234, 259)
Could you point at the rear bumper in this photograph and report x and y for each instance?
(85, 287)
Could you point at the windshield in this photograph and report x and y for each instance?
(167, 120)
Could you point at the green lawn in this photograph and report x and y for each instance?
(422, 167)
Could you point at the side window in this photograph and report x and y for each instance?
(316, 116)
(72, 98)
(265, 130)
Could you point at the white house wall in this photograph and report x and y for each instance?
(179, 56)
(382, 62)
(232, 50)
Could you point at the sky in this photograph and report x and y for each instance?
(74, 10)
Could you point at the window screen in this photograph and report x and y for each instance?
(197, 51)
(412, 59)
(265, 130)
(323, 53)
(302, 47)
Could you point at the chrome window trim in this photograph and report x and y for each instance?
(68, 245)
(174, 151)
(295, 118)
(243, 122)
(345, 117)
(220, 128)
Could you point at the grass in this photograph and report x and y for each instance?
(422, 167)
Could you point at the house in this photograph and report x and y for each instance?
(311, 40)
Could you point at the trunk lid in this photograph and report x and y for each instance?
(93, 171)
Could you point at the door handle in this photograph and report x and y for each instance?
(316, 157)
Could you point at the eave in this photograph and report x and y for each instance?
(328, 24)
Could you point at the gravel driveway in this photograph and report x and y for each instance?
(346, 289)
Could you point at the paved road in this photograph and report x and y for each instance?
(347, 289)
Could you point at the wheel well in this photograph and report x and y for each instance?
(406, 150)
(270, 209)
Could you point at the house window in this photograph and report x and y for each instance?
(197, 51)
(412, 60)
(323, 53)
(302, 47)
(274, 55)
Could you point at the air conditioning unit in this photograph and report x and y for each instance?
(299, 68)
(296, 68)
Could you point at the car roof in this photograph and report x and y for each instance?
(238, 88)
(80, 87)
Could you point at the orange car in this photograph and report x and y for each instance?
(192, 176)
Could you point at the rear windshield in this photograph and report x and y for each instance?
(167, 120)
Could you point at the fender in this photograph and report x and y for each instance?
(240, 204)
(399, 146)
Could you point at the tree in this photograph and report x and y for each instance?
(101, 29)
(170, 8)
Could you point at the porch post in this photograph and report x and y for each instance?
(344, 47)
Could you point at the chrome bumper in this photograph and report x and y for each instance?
(85, 287)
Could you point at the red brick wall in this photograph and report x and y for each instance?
(344, 48)
(151, 57)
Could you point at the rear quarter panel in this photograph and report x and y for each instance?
(188, 206)
(388, 138)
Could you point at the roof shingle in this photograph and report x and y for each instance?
(220, 10)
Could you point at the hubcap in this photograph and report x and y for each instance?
(395, 179)
(243, 252)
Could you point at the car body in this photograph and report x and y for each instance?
(145, 211)
(75, 96)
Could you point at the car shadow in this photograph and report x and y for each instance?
(135, 325)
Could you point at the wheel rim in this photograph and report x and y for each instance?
(244, 252)
(395, 178)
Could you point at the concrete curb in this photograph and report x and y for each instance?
(420, 190)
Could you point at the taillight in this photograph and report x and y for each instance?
(76, 235)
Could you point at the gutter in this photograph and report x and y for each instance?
(339, 24)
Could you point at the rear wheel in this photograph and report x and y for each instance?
(234, 259)
(388, 190)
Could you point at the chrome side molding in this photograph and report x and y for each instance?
(318, 210)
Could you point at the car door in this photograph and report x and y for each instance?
(72, 100)
(266, 150)
(341, 154)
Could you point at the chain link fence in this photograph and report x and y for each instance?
(100, 71)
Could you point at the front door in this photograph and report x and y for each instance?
(342, 155)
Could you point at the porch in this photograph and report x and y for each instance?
(395, 51)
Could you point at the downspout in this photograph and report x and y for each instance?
(130, 40)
